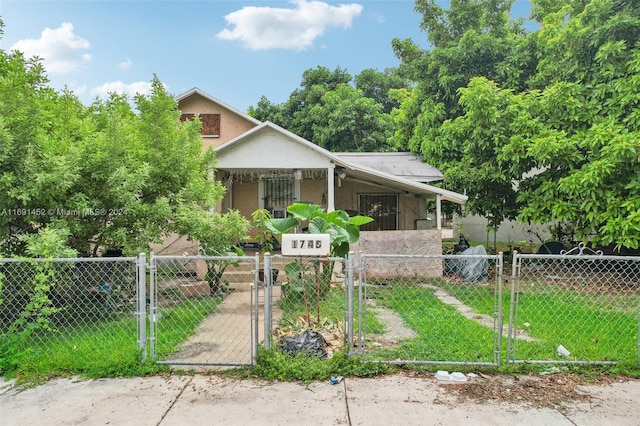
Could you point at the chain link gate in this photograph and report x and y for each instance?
(309, 293)
(430, 309)
(574, 308)
(203, 310)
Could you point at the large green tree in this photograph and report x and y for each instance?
(118, 174)
(339, 114)
(566, 151)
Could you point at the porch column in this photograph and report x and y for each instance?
(438, 212)
(330, 185)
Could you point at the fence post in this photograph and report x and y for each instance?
(255, 303)
(348, 326)
(142, 306)
(267, 300)
(500, 314)
(514, 278)
(153, 308)
(361, 302)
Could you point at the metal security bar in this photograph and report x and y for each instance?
(427, 309)
(383, 208)
(580, 309)
(279, 192)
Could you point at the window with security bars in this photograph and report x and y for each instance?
(382, 208)
(279, 193)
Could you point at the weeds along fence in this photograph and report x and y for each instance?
(55, 310)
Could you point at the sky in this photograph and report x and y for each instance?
(235, 50)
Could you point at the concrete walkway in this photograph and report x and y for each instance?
(226, 335)
(401, 399)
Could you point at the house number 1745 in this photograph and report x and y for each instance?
(305, 244)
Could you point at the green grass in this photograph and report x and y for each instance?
(178, 323)
(95, 348)
(443, 334)
(596, 327)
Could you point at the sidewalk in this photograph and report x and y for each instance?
(401, 399)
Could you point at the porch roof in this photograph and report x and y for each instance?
(401, 164)
(343, 164)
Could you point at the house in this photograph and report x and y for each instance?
(263, 165)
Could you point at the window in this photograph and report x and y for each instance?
(278, 192)
(383, 208)
(210, 123)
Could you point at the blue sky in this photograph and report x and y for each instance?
(235, 50)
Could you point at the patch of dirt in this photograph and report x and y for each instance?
(395, 330)
(547, 391)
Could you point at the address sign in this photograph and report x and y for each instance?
(306, 244)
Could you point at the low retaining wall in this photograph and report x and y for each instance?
(419, 242)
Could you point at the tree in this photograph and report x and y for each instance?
(470, 39)
(345, 120)
(376, 85)
(568, 152)
(104, 176)
(329, 111)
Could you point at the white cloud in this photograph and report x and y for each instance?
(77, 88)
(125, 65)
(262, 28)
(131, 89)
(60, 48)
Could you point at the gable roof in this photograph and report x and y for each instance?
(196, 91)
(231, 155)
(402, 164)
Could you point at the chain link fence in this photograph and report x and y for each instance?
(574, 309)
(444, 309)
(203, 310)
(308, 298)
(57, 309)
(430, 309)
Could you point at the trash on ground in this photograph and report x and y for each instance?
(443, 375)
(474, 270)
(336, 379)
(309, 341)
(458, 377)
(562, 351)
(552, 370)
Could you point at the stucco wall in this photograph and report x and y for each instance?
(231, 124)
(313, 190)
(428, 242)
(245, 197)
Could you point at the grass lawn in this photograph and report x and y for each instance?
(595, 328)
(96, 347)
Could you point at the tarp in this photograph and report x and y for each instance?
(475, 270)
